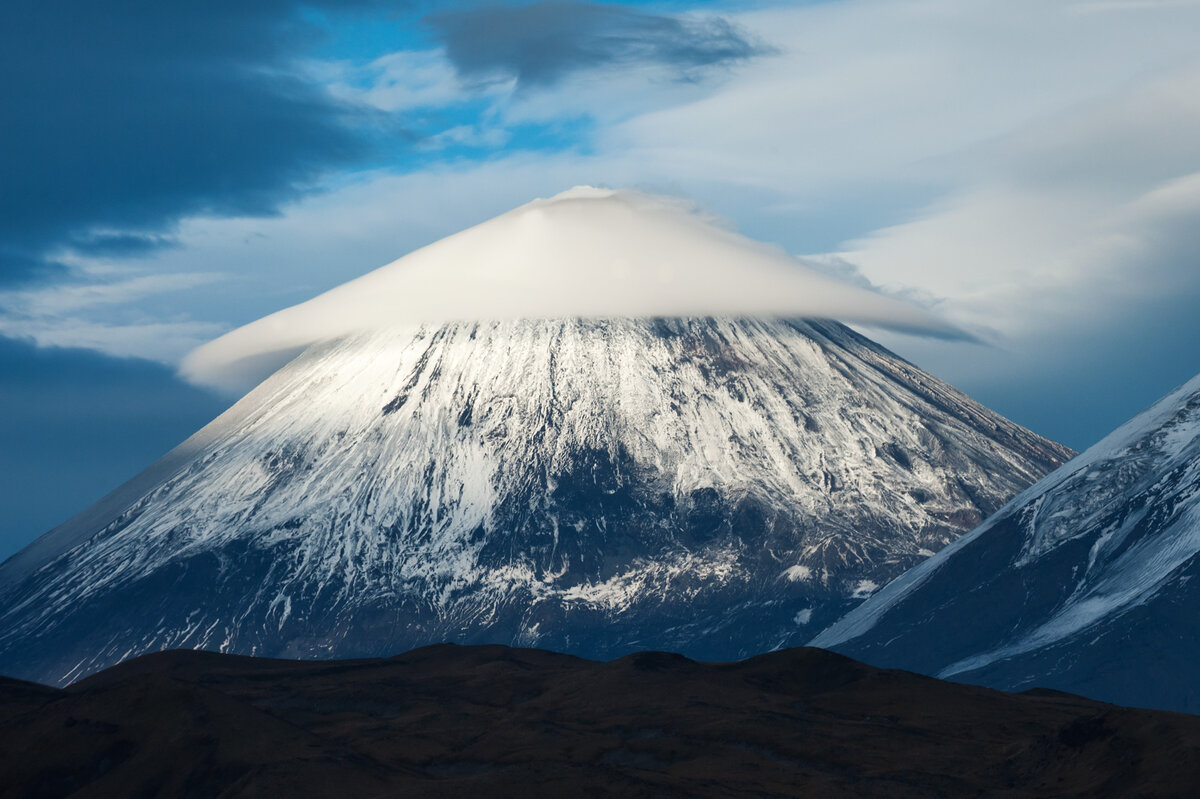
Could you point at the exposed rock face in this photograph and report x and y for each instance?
(715, 487)
(1084, 583)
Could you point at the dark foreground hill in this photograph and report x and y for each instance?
(492, 721)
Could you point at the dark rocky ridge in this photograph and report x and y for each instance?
(492, 721)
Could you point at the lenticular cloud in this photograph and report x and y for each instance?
(584, 253)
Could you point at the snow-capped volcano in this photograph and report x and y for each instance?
(1084, 583)
(715, 486)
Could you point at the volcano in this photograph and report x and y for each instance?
(718, 486)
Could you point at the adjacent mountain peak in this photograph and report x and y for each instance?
(1085, 582)
(585, 253)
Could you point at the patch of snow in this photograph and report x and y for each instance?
(863, 589)
(798, 572)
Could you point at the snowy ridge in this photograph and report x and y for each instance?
(706, 485)
(1090, 562)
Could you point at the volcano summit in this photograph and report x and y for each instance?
(718, 486)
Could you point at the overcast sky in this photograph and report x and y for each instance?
(1028, 170)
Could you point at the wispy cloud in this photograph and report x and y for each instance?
(164, 342)
(400, 81)
(99, 309)
(124, 117)
(1077, 216)
(539, 44)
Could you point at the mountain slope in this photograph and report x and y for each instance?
(716, 487)
(1085, 582)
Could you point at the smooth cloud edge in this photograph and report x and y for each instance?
(608, 236)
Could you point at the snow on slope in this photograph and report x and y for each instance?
(711, 486)
(1068, 584)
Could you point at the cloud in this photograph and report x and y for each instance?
(122, 116)
(118, 244)
(1076, 249)
(1010, 165)
(539, 44)
(164, 342)
(68, 298)
(100, 308)
(1077, 216)
(587, 252)
(400, 81)
(882, 105)
(21, 267)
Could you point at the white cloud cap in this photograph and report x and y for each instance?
(584, 253)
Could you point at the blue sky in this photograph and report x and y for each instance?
(1027, 169)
